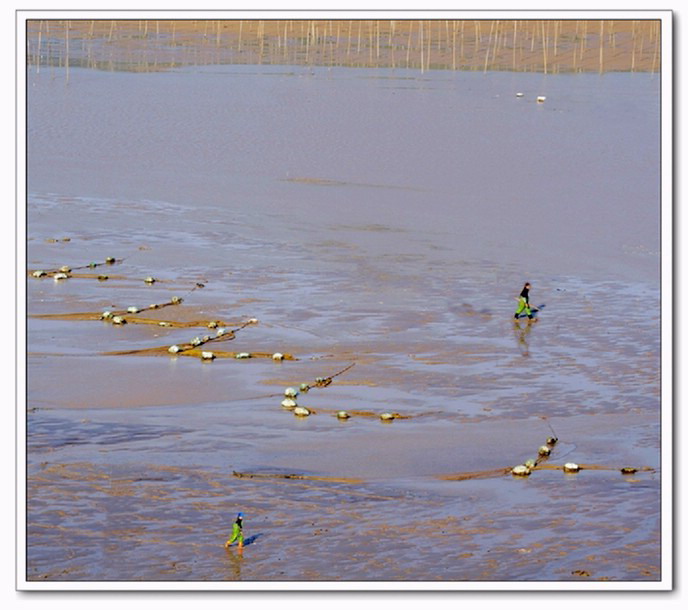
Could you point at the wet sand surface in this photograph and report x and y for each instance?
(377, 217)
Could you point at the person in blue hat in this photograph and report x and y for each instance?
(237, 532)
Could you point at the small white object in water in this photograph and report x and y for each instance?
(106, 315)
(277, 357)
(65, 269)
(242, 355)
(253, 321)
(60, 276)
(544, 450)
(133, 309)
(196, 341)
(177, 300)
(343, 415)
(207, 355)
(301, 411)
(118, 320)
(387, 416)
(520, 471)
(39, 273)
(220, 332)
(149, 280)
(212, 324)
(163, 323)
(571, 467)
(174, 349)
(290, 393)
(530, 464)
(289, 403)
(541, 99)
(519, 94)
(304, 387)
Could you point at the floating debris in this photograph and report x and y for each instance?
(571, 467)
(298, 477)
(302, 412)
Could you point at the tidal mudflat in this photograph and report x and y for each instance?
(376, 217)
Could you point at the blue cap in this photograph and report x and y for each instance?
(240, 515)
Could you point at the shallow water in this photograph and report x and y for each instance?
(377, 217)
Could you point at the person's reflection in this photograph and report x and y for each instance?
(521, 333)
(235, 556)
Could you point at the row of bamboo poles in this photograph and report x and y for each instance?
(547, 46)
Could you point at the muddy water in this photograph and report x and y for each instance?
(377, 217)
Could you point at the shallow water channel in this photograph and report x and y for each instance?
(385, 218)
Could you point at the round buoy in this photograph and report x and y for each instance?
(520, 471)
(302, 412)
(343, 415)
(571, 467)
(544, 450)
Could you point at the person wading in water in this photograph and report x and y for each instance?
(237, 532)
(524, 303)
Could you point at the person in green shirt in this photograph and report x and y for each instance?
(237, 532)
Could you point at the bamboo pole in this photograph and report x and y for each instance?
(601, 45)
